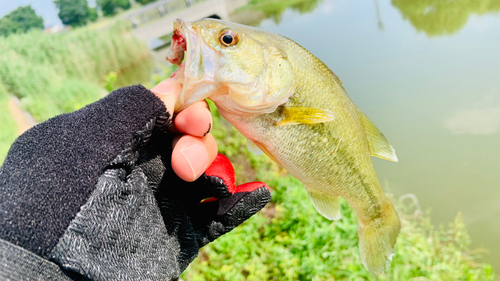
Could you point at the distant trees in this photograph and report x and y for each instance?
(8, 27)
(20, 20)
(93, 14)
(109, 7)
(144, 2)
(73, 12)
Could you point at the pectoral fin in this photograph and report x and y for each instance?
(327, 205)
(379, 146)
(253, 147)
(304, 115)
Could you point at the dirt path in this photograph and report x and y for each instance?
(23, 119)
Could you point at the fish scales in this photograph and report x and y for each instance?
(295, 109)
(301, 149)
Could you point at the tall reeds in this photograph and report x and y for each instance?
(57, 73)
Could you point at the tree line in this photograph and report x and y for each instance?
(74, 13)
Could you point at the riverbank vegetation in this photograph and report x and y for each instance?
(57, 73)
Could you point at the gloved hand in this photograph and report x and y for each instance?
(94, 192)
(159, 242)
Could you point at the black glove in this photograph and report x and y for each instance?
(130, 216)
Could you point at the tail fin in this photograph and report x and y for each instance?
(377, 239)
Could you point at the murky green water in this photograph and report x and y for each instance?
(427, 72)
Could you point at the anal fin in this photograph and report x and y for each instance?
(327, 205)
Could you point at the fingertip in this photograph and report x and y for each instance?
(191, 156)
(168, 92)
(195, 120)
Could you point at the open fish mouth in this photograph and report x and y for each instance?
(178, 45)
(178, 48)
(197, 64)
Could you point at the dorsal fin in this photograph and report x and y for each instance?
(379, 146)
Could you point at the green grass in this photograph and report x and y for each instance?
(57, 73)
(46, 70)
(289, 240)
(9, 129)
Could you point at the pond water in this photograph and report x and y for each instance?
(428, 74)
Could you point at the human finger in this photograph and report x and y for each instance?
(168, 92)
(195, 120)
(191, 155)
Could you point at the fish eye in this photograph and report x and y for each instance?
(228, 37)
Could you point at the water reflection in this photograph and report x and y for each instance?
(275, 9)
(380, 24)
(443, 17)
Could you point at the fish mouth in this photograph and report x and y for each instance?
(196, 61)
(178, 45)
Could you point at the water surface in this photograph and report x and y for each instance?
(428, 74)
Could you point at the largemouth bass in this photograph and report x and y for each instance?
(294, 108)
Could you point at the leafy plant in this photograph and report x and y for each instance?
(110, 81)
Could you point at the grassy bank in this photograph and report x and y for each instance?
(289, 240)
(57, 73)
(8, 131)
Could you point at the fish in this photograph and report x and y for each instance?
(292, 107)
